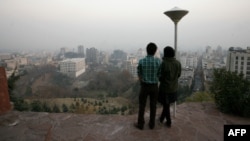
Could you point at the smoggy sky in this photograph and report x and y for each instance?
(122, 24)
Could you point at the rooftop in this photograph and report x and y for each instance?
(193, 122)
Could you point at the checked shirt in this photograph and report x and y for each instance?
(148, 69)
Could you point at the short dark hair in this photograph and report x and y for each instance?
(169, 52)
(151, 48)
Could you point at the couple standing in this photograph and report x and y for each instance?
(150, 71)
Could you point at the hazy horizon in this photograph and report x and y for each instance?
(126, 25)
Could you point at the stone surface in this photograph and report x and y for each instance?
(4, 94)
(193, 122)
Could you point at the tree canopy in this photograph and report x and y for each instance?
(231, 92)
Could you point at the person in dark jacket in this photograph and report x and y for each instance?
(170, 72)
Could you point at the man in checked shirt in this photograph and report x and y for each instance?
(148, 71)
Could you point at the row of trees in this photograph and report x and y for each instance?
(84, 107)
(113, 83)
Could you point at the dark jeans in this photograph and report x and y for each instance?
(169, 98)
(166, 112)
(150, 90)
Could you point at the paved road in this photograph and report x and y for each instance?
(198, 83)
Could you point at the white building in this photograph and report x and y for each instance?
(188, 60)
(141, 53)
(73, 67)
(22, 61)
(238, 60)
(131, 65)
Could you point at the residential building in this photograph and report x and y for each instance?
(104, 58)
(131, 65)
(5, 56)
(73, 67)
(81, 50)
(141, 53)
(189, 60)
(11, 64)
(92, 55)
(238, 60)
(22, 60)
(119, 55)
(63, 50)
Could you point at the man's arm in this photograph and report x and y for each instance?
(139, 71)
(179, 69)
(159, 71)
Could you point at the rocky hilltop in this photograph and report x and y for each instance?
(193, 122)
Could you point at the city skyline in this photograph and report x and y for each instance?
(126, 25)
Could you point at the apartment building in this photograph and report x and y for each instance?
(238, 60)
(92, 55)
(131, 65)
(81, 50)
(73, 67)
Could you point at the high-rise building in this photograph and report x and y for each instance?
(63, 50)
(73, 67)
(209, 50)
(104, 57)
(81, 50)
(92, 55)
(238, 60)
(119, 55)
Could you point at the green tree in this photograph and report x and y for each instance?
(124, 108)
(231, 92)
(28, 91)
(56, 109)
(72, 107)
(46, 108)
(21, 105)
(65, 108)
(36, 106)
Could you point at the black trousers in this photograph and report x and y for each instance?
(146, 90)
(166, 112)
(168, 98)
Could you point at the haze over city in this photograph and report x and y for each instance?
(123, 24)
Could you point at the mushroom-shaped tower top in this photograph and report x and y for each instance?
(175, 14)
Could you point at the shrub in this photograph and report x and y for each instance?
(56, 109)
(65, 108)
(231, 92)
(200, 97)
(46, 107)
(21, 105)
(36, 106)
